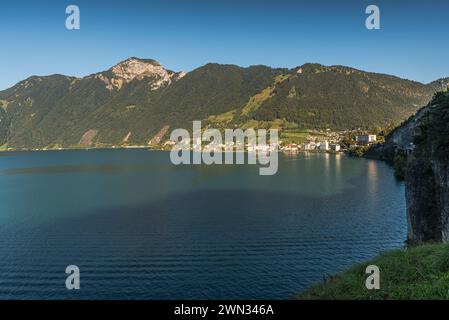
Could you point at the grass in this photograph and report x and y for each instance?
(294, 137)
(281, 78)
(291, 135)
(4, 104)
(280, 124)
(295, 134)
(420, 272)
(257, 100)
(224, 117)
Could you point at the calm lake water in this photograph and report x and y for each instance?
(139, 227)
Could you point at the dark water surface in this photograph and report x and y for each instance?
(139, 227)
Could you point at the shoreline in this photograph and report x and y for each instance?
(153, 149)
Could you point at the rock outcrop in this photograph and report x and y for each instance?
(398, 141)
(427, 174)
(135, 68)
(419, 149)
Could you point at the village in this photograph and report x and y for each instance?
(331, 143)
(319, 141)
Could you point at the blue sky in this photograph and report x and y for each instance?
(413, 41)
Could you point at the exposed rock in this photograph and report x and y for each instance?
(134, 68)
(440, 84)
(427, 175)
(158, 137)
(125, 140)
(88, 137)
(422, 144)
(427, 196)
(109, 84)
(400, 140)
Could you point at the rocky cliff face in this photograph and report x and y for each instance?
(427, 196)
(427, 174)
(398, 141)
(139, 69)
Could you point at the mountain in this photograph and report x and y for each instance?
(339, 97)
(138, 101)
(440, 84)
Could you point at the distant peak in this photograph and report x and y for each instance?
(139, 69)
(133, 67)
(139, 60)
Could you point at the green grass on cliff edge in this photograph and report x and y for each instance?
(420, 272)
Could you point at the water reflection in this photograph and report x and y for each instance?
(372, 176)
(143, 228)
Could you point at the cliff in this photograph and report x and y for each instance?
(423, 140)
(427, 172)
(399, 141)
(419, 151)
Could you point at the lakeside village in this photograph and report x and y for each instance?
(354, 142)
(329, 142)
(332, 143)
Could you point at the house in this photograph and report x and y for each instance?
(366, 139)
(291, 148)
(324, 146)
(335, 147)
(310, 146)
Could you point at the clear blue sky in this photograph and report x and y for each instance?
(413, 41)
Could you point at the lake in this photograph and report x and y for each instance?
(139, 227)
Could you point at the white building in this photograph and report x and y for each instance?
(366, 138)
(291, 148)
(310, 146)
(324, 146)
(335, 147)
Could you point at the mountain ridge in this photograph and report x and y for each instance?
(131, 102)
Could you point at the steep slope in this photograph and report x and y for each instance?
(440, 84)
(209, 90)
(28, 104)
(316, 96)
(57, 110)
(427, 175)
(4, 125)
(419, 150)
(138, 114)
(138, 99)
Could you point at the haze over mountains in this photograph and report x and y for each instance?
(138, 102)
